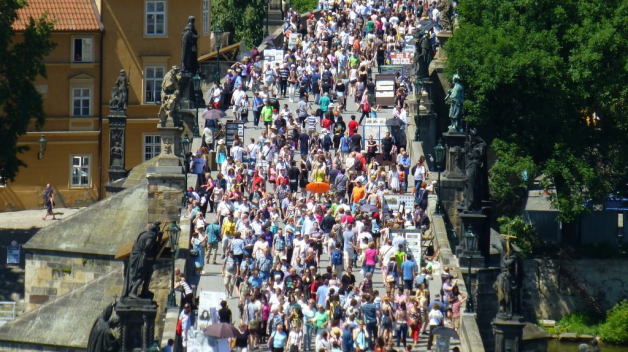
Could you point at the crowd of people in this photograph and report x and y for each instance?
(289, 254)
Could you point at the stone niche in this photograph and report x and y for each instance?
(52, 274)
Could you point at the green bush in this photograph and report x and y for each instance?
(615, 329)
(581, 323)
(527, 238)
(304, 5)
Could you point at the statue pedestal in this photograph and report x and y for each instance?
(186, 91)
(455, 155)
(443, 37)
(508, 334)
(117, 134)
(170, 137)
(137, 324)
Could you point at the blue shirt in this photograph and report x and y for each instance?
(369, 312)
(237, 246)
(321, 295)
(279, 339)
(407, 267)
(255, 282)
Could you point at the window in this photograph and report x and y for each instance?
(80, 171)
(81, 101)
(152, 146)
(155, 18)
(82, 50)
(153, 75)
(205, 16)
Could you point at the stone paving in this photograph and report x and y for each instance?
(212, 279)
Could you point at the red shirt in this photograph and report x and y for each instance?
(353, 124)
(326, 123)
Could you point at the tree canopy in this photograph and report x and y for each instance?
(244, 19)
(20, 63)
(548, 80)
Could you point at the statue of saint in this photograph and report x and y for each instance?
(422, 56)
(446, 15)
(116, 156)
(119, 97)
(101, 338)
(189, 53)
(169, 95)
(509, 282)
(456, 97)
(140, 267)
(473, 194)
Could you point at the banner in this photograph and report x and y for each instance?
(209, 303)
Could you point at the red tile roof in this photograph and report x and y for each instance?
(69, 15)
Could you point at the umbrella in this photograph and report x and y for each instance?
(214, 114)
(318, 187)
(369, 208)
(425, 25)
(221, 331)
(394, 122)
(447, 332)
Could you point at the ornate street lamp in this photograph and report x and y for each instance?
(267, 2)
(218, 35)
(173, 238)
(417, 117)
(185, 144)
(43, 143)
(196, 81)
(470, 241)
(439, 151)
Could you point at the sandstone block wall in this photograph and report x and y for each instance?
(49, 275)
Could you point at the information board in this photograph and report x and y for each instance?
(404, 60)
(209, 302)
(385, 88)
(293, 40)
(392, 202)
(409, 47)
(232, 129)
(272, 56)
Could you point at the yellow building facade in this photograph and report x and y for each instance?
(95, 40)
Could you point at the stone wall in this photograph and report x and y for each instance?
(549, 293)
(52, 274)
(26, 347)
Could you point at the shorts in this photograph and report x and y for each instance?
(225, 241)
(268, 123)
(407, 284)
(456, 322)
(228, 279)
(348, 255)
(212, 245)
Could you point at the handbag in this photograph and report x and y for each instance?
(232, 345)
(194, 253)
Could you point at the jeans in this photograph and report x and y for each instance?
(368, 269)
(371, 329)
(402, 334)
(283, 84)
(256, 115)
(308, 332)
(417, 186)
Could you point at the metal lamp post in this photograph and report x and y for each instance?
(218, 36)
(469, 241)
(417, 117)
(196, 81)
(439, 151)
(185, 145)
(267, 2)
(173, 238)
(43, 143)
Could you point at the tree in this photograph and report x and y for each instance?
(20, 63)
(243, 18)
(548, 77)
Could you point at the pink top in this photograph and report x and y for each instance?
(369, 256)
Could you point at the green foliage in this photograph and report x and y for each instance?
(581, 323)
(244, 19)
(510, 175)
(534, 71)
(527, 238)
(20, 64)
(615, 329)
(304, 5)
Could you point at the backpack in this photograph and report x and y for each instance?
(327, 142)
(337, 312)
(336, 257)
(179, 329)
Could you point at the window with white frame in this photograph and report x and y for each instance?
(153, 76)
(81, 101)
(82, 50)
(155, 18)
(80, 173)
(152, 146)
(205, 16)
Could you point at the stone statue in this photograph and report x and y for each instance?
(101, 338)
(140, 267)
(189, 52)
(446, 15)
(509, 282)
(475, 169)
(169, 95)
(116, 156)
(168, 146)
(456, 97)
(119, 97)
(422, 56)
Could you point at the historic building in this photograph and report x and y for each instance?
(95, 40)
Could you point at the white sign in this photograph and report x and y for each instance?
(293, 40)
(272, 56)
(409, 48)
(198, 342)
(401, 58)
(208, 308)
(394, 201)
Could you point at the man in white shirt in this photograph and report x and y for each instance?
(403, 115)
(252, 150)
(208, 137)
(237, 96)
(237, 152)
